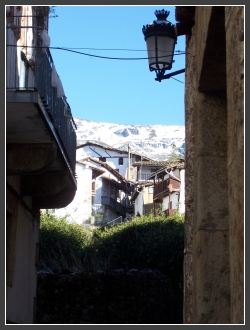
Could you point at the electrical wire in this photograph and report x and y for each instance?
(177, 80)
(96, 56)
(106, 57)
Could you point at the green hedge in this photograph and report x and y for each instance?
(146, 242)
(62, 244)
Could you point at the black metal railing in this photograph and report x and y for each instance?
(112, 203)
(55, 106)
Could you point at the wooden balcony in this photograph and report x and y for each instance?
(164, 188)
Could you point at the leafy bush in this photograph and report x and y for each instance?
(146, 242)
(155, 242)
(61, 243)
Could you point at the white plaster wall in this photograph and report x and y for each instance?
(182, 193)
(165, 202)
(79, 210)
(100, 152)
(98, 191)
(172, 198)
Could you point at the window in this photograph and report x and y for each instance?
(150, 190)
(120, 161)
(102, 159)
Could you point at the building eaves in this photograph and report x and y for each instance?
(162, 171)
(101, 145)
(96, 171)
(107, 147)
(157, 163)
(109, 168)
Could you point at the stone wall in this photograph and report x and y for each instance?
(120, 296)
(214, 162)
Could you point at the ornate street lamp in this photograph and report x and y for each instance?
(160, 37)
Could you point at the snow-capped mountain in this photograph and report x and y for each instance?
(155, 142)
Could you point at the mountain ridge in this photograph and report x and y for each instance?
(154, 141)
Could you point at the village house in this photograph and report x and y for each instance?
(102, 195)
(40, 151)
(145, 168)
(121, 160)
(151, 195)
(169, 187)
(142, 199)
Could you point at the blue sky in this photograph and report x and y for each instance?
(114, 91)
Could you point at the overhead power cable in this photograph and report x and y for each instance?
(91, 55)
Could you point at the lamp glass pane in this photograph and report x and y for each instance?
(165, 52)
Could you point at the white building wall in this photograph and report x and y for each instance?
(112, 158)
(165, 202)
(98, 191)
(182, 193)
(172, 198)
(80, 209)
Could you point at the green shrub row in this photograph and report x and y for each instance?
(155, 242)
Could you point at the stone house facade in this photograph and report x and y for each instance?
(214, 162)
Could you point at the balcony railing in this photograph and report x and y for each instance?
(165, 187)
(115, 222)
(112, 203)
(161, 188)
(57, 108)
(143, 177)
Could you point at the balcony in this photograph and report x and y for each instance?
(113, 204)
(161, 189)
(40, 130)
(165, 187)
